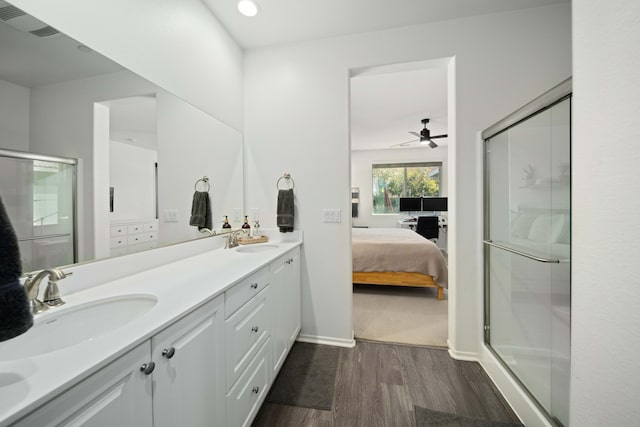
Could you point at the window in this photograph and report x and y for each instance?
(392, 181)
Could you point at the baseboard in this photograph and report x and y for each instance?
(461, 355)
(337, 342)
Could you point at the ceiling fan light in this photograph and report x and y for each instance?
(248, 8)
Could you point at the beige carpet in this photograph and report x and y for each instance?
(400, 315)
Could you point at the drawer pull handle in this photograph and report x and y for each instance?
(254, 329)
(255, 390)
(147, 368)
(254, 285)
(169, 352)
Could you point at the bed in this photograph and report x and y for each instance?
(398, 257)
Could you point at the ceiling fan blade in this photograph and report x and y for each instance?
(405, 143)
(416, 134)
(439, 136)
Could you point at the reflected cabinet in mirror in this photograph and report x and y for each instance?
(140, 153)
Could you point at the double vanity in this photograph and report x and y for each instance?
(193, 341)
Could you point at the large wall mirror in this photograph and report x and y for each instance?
(142, 152)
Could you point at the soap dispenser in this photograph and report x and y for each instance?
(246, 225)
(256, 228)
(226, 222)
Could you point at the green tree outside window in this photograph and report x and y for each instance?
(392, 181)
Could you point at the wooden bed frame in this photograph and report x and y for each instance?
(394, 278)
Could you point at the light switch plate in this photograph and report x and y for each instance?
(331, 215)
(170, 215)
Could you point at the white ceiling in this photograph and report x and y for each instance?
(385, 104)
(286, 21)
(388, 102)
(30, 61)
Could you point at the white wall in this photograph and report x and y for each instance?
(605, 294)
(14, 116)
(62, 125)
(361, 162)
(191, 144)
(178, 45)
(195, 145)
(296, 120)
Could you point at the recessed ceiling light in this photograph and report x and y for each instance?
(248, 8)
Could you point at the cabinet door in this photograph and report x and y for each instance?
(189, 386)
(117, 395)
(293, 310)
(279, 303)
(284, 280)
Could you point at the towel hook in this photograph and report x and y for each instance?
(287, 177)
(204, 179)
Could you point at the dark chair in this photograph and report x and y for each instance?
(427, 227)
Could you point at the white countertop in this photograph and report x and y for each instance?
(180, 287)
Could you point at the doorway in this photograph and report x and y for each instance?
(388, 105)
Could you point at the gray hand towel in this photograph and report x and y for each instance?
(15, 313)
(285, 210)
(201, 210)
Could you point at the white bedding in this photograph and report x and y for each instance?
(397, 249)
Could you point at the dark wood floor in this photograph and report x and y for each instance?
(378, 384)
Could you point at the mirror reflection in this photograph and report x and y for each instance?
(139, 151)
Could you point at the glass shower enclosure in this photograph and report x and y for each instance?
(527, 248)
(38, 193)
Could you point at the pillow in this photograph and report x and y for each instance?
(521, 225)
(548, 228)
(566, 232)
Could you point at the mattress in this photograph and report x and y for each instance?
(398, 250)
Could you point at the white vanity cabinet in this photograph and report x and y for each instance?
(213, 366)
(173, 379)
(117, 395)
(284, 281)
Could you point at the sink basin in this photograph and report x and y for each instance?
(256, 247)
(63, 327)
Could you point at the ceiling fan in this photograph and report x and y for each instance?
(424, 137)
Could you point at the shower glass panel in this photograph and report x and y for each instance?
(528, 252)
(39, 195)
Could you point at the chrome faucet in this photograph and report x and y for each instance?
(51, 293)
(232, 240)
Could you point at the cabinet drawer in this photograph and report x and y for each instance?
(118, 230)
(245, 332)
(245, 398)
(135, 228)
(242, 292)
(118, 241)
(150, 226)
(142, 238)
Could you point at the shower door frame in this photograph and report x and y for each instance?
(24, 155)
(547, 100)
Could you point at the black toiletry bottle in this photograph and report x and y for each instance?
(226, 223)
(246, 223)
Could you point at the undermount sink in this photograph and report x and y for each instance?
(256, 247)
(63, 327)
